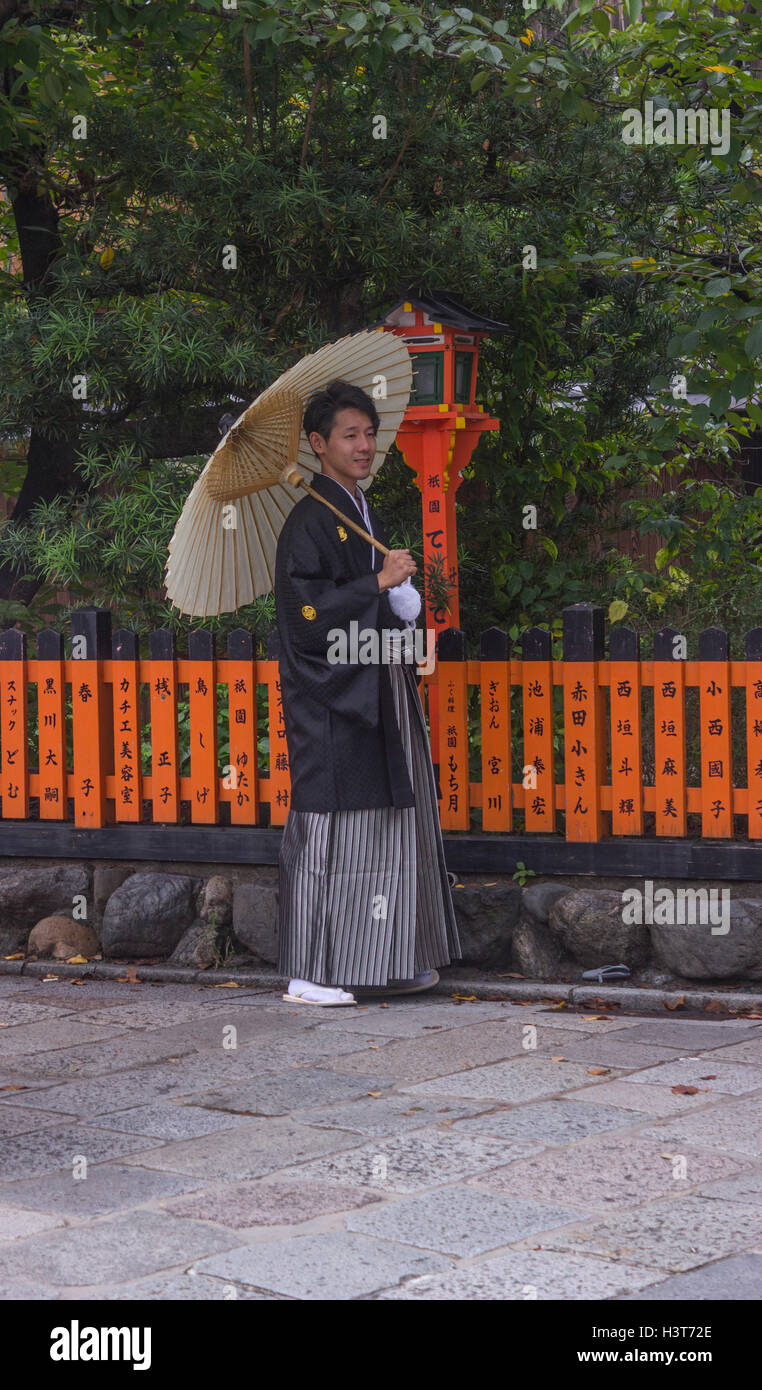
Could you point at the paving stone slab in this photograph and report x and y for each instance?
(592, 1021)
(673, 1235)
(524, 1078)
(25, 1291)
(15, 1222)
(730, 1127)
(438, 1054)
(734, 1279)
(170, 1120)
(331, 1266)
(15, 1119)
(390, 1114)
(413, 1020)
(546, 1121)
(281, 1092)
(610, 1051)
(269, 1203)
(29, 1039)
(249, 1151)
(750, 1051)
(108, 1187)
(120, 1051)
(745, 1188)
(16, 1011)
(180, 1288)
(45, 1150)
(426, 1158)
(722, 1077)
(643, 1099)
(459, 1221)
(528, 1274)
(690, 1035)
(609, 1171)
(124, 1247)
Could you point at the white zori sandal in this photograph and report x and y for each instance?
(302, 992)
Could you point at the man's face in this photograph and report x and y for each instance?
(349, 451)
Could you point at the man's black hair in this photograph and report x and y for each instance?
(323, 406)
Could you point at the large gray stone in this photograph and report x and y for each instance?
(60, 936)
(588, 924)
(106, 880)
(217, 901)
(148, 914)
(538, 899)
(199, 945)
(255, 919)
(537, 954)
(487, 916)
(691, 950)
(27, 895)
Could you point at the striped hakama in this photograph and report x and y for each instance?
(364, 896)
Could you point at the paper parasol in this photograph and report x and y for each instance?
(222, 556)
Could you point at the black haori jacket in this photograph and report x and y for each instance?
(344, 746)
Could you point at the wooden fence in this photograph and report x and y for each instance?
(576, 732)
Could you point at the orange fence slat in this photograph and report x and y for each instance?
(626, 748)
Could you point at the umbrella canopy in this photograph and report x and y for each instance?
(222, 552)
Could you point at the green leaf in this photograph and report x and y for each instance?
(753, 342)
(569, 103)
(617, 610)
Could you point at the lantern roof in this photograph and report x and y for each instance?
(444, 308)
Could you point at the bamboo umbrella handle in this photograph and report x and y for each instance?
(294, 477)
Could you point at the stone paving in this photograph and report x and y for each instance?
(174, 1141)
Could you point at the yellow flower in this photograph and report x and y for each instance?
(720, 67)
(527, 36)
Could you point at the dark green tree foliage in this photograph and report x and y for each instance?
(253, 129)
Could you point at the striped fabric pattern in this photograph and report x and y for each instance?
(364, 895)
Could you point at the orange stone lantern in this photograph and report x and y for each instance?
(442, 423)
(437, 437)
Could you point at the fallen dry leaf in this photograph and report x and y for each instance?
(18, 955)
(464, 998)
(598, 1071)
(229, 984)
(558, 1059)
(678, 1004)
(432, 1026)
(76, 960)
(169, 1059)
(374, 1046)
(596, 1018)
(510, 975)
(715, 1007)
(374, 1094)
(383, 1006)
(14, 1088)
(685, 1090)
(553, 1008)
(708, 1078)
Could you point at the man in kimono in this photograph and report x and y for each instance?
(364, 898)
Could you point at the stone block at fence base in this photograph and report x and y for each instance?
(693, 951)
(255, 920)
(539, 898)
(217, 901)
(487, 916)
(200, 945)
(537, 954)
(28, 895)
(149, 914)
(105, 882)
(588, 925)
(61, 936)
